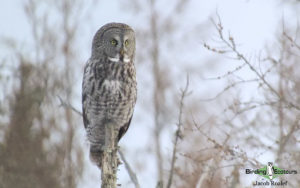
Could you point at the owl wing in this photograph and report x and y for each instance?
(87, 90)
(84, 115)
(124, 129)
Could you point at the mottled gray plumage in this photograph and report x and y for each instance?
(109, 85)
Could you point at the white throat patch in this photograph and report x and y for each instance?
(126, 60)
(117, 59)
(114, 59)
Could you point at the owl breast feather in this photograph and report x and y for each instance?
(115, 94)
(112, 85)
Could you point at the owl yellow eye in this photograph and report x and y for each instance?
(114, 42)
(126, 42)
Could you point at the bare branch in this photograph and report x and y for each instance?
(230, 43)
(158, 90)
(291, 40)
(228, 87)
(132, 175)
(68, 105)
(285, 139)
(109, 161)
(178, 135)
(227, 74)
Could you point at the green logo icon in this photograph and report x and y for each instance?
(270, 172)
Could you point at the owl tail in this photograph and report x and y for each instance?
(96, 154)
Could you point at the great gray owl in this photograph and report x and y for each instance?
(109, 85)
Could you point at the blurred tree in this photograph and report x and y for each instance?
(247, 125)
(39, 149)
(159, 32)
(24, 161)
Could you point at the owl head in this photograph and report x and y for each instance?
(114, 41)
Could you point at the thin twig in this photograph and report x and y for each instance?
(293, 41)
(132, 175)
(230, 43)
(228, 149)
(227, 74)
(184, 93)
(228, 87)
(68, 105)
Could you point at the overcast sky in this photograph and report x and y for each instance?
(254, 23)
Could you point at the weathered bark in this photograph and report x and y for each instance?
(109, 161)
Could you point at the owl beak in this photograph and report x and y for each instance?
(122, 52)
